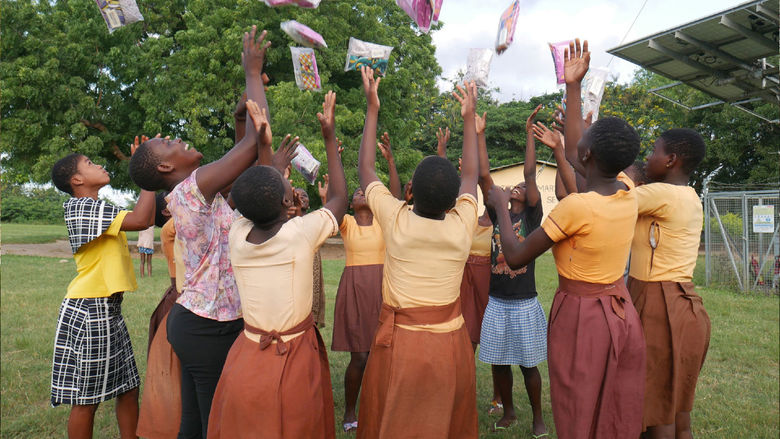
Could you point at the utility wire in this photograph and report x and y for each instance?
(629, 29)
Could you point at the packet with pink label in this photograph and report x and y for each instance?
(556, 50)
(506, 27)
(302, 34)
(424, 12)
(302, 3)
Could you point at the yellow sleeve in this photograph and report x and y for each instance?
(345, 224)
(317, 226)
(651, 199)
(568, 218)
(382, 203)
(466, 209)
(623, 177)
(116, 224)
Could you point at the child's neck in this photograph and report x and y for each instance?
(364, 217)
(516, 207)
(86, 192)
(259, 236)
(677, 178)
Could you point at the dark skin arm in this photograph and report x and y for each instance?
(565, 172)
(395, 180)
(442, 137)
(518, 254)
(367, 154)
(576, 60)
(532, 195)
(142, 215)
(215, 176)
(485, 180)
(469, 171)
(337, 184)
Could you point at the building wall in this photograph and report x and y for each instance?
(510, 176)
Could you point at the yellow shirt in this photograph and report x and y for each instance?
(482, 241)
(424, 257)
(593, 235)
(104, 265)
(363, 245)
(167, 237)
(625, 179)
(275, 278)
(178, 262)
(674, 213)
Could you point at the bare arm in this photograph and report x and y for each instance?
(517, 254)
(367, 154)
(470, 166)
(395, 180)
(575, 61)
(532, 195)
(337, 187)
(142, 215)
(239, 116)
(442, 137)
(554, 141)
(485, 180)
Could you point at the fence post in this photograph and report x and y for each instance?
(746, 217)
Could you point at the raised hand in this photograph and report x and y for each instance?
(552, 139)
(529, 123)
(576, 61)
(322, 188)
(481, 121)
(284, 155)
(137, 143)
(260, 121)
(467, 96)
(253, 55)
(341, 148)
(328, 116)
(498, 198)
(384, 147)
(240, 111)
(370, 86)
(588, 119)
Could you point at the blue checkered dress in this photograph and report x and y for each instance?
(513, 332)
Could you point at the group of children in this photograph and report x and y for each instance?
(234, 346)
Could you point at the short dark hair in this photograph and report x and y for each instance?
(63, 170)
(687, 144)
(435, 185)
(640, 175)
(160, 205)
(258, 193)
(143, 168)
(614, 144)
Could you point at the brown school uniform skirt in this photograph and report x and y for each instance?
(160, 413)
(474, 291)
(161, 312)
(596, 356)
(677, 333)
(358, 302)
(275, 390)
(419, 383)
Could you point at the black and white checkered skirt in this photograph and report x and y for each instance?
(93, 354)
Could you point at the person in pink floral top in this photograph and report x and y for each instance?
(206, 319)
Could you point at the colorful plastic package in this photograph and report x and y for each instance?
(506, 27)
(425, 13)
(306, 164)
(478, 66)
(307, 77)
(556, 50)
(302, 34)
(593, 90)
(118, 13)
(302, 3)
(361, 53)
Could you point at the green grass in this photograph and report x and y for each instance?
(737, 395)
(40, 234)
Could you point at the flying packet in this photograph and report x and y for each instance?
(425, 13)
(478, 66)
(361, 53)
(307, 77)
(506, 27)
(302, 3)
(302, 34)
(118, 13)
(306, 164)
(556, 50)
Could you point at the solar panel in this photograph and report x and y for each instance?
(723, 55)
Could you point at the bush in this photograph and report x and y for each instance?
(35, 205)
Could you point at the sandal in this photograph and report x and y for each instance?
(539, 436)
(497, 428)
(494, 407)
(350, 426)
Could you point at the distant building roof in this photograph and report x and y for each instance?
(512, 165)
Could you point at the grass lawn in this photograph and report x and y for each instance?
(738, 390)
(43, 233)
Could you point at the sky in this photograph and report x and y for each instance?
(526, 69)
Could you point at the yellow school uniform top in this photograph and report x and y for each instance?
(670, 216)
(104, 265)
(424, 257)
(178, 262)
(592, 235)
(625, 179)
(363, 245)
(167, 238)
(481, 243)
(275, 278)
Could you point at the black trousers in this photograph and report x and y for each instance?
(202, 346)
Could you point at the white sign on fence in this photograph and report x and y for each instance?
(763, 219)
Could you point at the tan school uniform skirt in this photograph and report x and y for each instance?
(677, 333)
(596, 356)
(474, 292)
(161, 312)
(160, 414)
(419, 383)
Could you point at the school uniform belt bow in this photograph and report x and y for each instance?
(421, 315)
(268, 337)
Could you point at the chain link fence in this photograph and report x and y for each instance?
(741, 241)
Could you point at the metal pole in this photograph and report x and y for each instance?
(727, 245)
(745, 247)
(707, 230)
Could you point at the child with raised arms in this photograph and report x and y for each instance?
(207, 316)
(663, 256)
(596, 349)
(419, 379)
(276, 380)
(93, 355)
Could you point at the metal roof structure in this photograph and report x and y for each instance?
(723, 55)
